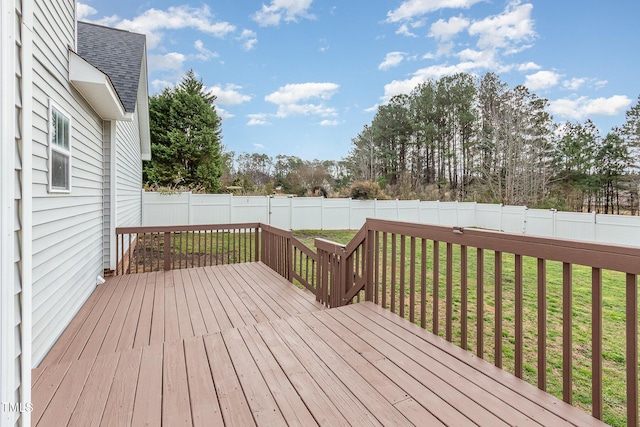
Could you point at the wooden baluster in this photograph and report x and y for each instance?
(567, 334)
(542, 324)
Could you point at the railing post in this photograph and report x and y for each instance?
(369, 265)
(167, 251)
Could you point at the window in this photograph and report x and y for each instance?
(59, 150)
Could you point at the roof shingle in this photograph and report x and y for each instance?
(118, 54)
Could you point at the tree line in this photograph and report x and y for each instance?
(466, 138)
(460, 137)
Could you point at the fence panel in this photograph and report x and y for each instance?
(575, 226)
(165, 209)
(292, 213)
(211, 209)
(386, 209)
(408, 210)
(448, 213)
(621, 230)
(429, 212)
(308, 213)
(540, 222)
(336, 214)
(280, 212)
(489, 216)
(513, 219)
(249, 209)
(360, 211)
(467, 214)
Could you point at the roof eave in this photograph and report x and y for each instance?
(97, 89)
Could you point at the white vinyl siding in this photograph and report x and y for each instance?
(106, 194)
(67, 228)
(129, 174)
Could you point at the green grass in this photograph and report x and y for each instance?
(339, 236)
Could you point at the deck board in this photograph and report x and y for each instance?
(239, 345)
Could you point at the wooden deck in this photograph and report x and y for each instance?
(239, 345)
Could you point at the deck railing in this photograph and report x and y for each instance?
(143, 249)
(560, 314)
(554, 312)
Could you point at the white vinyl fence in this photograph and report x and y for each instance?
(317, 213)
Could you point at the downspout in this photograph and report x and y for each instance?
(7, 206)
(27, 207)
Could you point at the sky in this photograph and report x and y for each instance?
(302, 77)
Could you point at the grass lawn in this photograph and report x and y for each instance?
(613, 285)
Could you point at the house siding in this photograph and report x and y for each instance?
(67, 228)
(129, 174)
(106, 195)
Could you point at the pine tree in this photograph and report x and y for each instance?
(185, 137)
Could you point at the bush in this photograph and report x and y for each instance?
(366, 190)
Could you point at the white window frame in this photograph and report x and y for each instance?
(55, 148)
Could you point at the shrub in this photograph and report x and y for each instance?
(366, 190)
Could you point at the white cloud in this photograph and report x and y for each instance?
(159, 85)
(393, 59)
(278, 10)
(258, 146)
(257, 120)
(446, 30)
(223, 114)
(204, 53)
(286, 110)
(289, 100)
(411, 9)
(423, 75)
(249, 39)
(168, 61)
(84, 10)
(574, 84)
(153, 21)
(229, 95)
(404, 30)
(599, 84)
(541, 80)
(506, 30)
(528, 66)
(480, 58)
(329, 123)
(583, 107)
(293, 93)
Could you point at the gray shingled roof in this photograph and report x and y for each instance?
(118, 54)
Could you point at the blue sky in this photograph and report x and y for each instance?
(302, 77)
